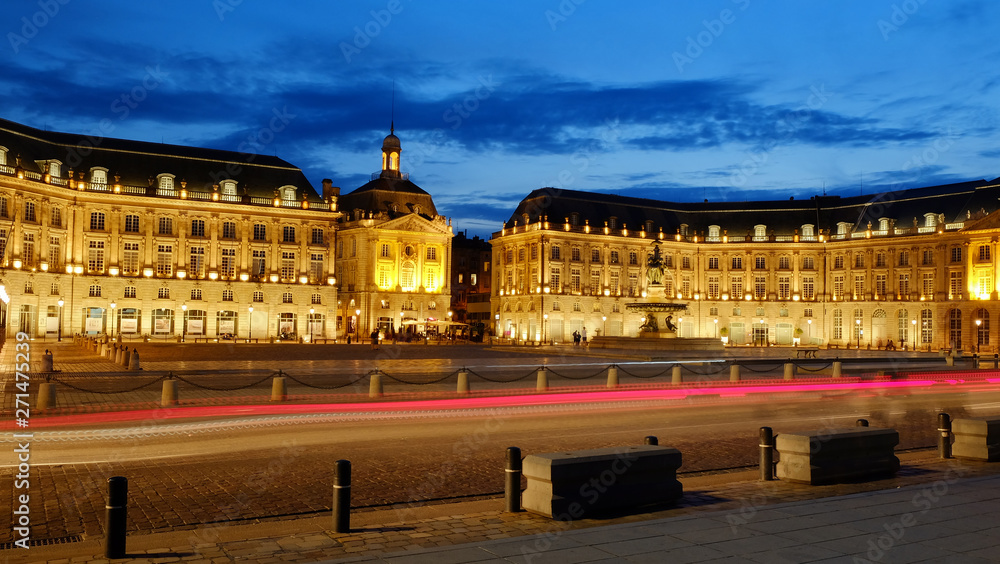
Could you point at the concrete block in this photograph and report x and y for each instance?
(976, 439)
(572, 485)
(836, 455)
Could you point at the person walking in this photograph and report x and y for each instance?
(374, 337)
(583, 336)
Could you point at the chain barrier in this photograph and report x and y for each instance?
(495, 381)
(401, 381)
(634, 375)
(588, 377)
(62, 382)
(705, 372)
(776, 366)
(824, 367)
(219, 388)
(319, 387)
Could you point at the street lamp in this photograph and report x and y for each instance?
(914, 323)
(497, 318)
(979, 336)
(604, 329)
(450, 330)
(357, 325)
(312, 310)
(545, 321)
(716, 322)
(809, 335)
(61, 303)
(184, 329)
(113, 306)
(250, 330)
(858, 323)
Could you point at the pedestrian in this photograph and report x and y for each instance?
(583, 336)
(576, 338)
(375, 340)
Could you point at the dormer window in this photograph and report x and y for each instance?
(930, 220)
(883, 224)
(612, 222)
(574, 219)
(713, 231)
(684, 229)
(649, 225)
(165, 181)
(759, 231)
(3, 155)
(808, 230)
(228, 187)
(55, 169)
(99, 177)
(287, 192)
(843, 227)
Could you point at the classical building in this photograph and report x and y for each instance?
(101, 235)
(393, 254)
(470, 281)
(918, 267)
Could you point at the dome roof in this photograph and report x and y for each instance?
(391, 141)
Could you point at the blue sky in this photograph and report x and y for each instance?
(717, 99)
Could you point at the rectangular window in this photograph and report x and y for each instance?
(197, 227)
(859, 260)
(880, 260)
(259, 266)
(760, 263)
(615, 283)
(56, 217)
(927, 284)
(166, 226)
(130, 258)
(287, 265)
(164, 260)
(288, 234)
(575, 254)
(808, 263)
(736, 287)
(614, 257)
(838, 325)
(229, 230)
(904, 258)
(784, 263)
(955, 284)
(595, 255)
(838, 262)
(129, 291)
(784, 288)
(904, 285)
(97, 221)
(574, 280)
(737, 263)
(317, 236)
(956, 254)
(633, 283)
(534, 251)
(838, 287)
(984, 252)
(28, 250)
(928, 257)
(554, 280)
(881, 285)
(259, 232)
(713, 287)
(595, 282)
(713, 263)
(95, 256)
(431, 253)
(55, 254)
(131, 223)
(926, 326)
(315, 267)
(29, 211)
(555, 252)
(685, 262)
(759, 287)
(808, 288)
(859, 285)
(228, 264)
(227, 295)
(196, 266)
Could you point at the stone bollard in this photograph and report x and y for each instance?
(463, 381)
(279, 389)
(103, 350)
(613, 376)
(789, 371)
(651, 440)
(342, 496)
(46, 396)
(375, 389)
(766, 454)
(47, 364)
(944, 440)
(512, 481)
(168, 397)
(122, 356)
(542, 385)
(861, 423)
(837, 369)
(734, 373)
(116, 517)
(133, 360)
(675, 374)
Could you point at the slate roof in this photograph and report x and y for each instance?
(956, 202)
(380, 194)
(136, 161)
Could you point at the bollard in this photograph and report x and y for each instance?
(975, 361)
(789, 371)
(133, 361)
(996, 361)
(47, 364)
(463, 381)
(861, 423)
(543, 381)
(766, 454)
(949, 360)
(734, 373)
(375, 385)
(675, 374)
(944, 440)
(104, 350)
(120, 355)
(116, 517)
(651, 440)
(279, 389)
(837, 369)
(512, 483)
(168, 397)
(46, 396)
(613, 376)
(342, 496)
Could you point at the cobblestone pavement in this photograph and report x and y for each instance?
(730, 508)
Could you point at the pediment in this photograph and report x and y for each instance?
(415, 224)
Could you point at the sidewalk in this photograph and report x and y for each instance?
(933, 511)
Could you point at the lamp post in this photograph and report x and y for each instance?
(113, 306)
(312, 310)
(979, 336)
(680, 325)
(604, 323)
(497, 318)
(184, 330)
(857, 322)
(914, 323)
(250, 329)
(450, 330)
(716, 323)
(61, 303)
(545, 321)
(357, 325)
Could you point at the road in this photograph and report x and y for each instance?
(218, 471)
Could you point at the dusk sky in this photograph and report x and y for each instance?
(716, 99)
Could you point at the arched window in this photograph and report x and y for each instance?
(808, 230)
(930, 220)
(982, 321)
(759, 231)
(903, 324)
(713, 231)
(393, 161)
(408, 276)
(287, 192)
(955, 328)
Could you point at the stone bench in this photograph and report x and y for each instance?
(571, 485)
(977, 439)
(836, 455)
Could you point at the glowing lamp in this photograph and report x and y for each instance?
(44, 266)
(213, 275)
(181, 274)
(69, 269)
(77, 269)
(113, 271)
(147, 272)
(331, 280)
(303, 279)
(17, 263)
(277, 202)
(274, 278)
(244, 277)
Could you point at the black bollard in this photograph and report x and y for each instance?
(766, 454)
(651, 440)
(944, 440)
(342, 497)
(861, 423)
(115, 517)
(512, 484)
(996, 361)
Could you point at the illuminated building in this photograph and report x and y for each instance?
(170, 242)
(917, 265)
(393, 254)
(470, 281)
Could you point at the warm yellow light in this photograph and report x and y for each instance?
(77, 269)
(725, 297)
(213, 275)
(184, 193)
(118, 188)
(303, 279)
(748, 296)
(69, 269)
(277, 202)
(795, 298)
(215, 196)
(113, 271)
(679, 295)
(17, 263)
(274, 278)
(181, 274)
(147, 272)
(244, 277)
(305, 204)
(644, 293)
(45, 267)
(331, 280)
(607, 292)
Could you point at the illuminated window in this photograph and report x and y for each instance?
(259, 265)
(96, 221)
(227, 267)
(258, 297)
(431, 253)
(95, 291)
(196, 293)
(129, 291)
(984, 252)
(316, 299)
(287, 265)
(163, 293)
(407, 276)
(164, 260)
(130, 258)
(131, 223)
(95, 256)
(227, 295)
(197, 227)
(904, 285)
(166, 226)
(808, 288)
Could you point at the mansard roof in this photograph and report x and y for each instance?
(955, 202)
(136, 161)
(394, 196)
